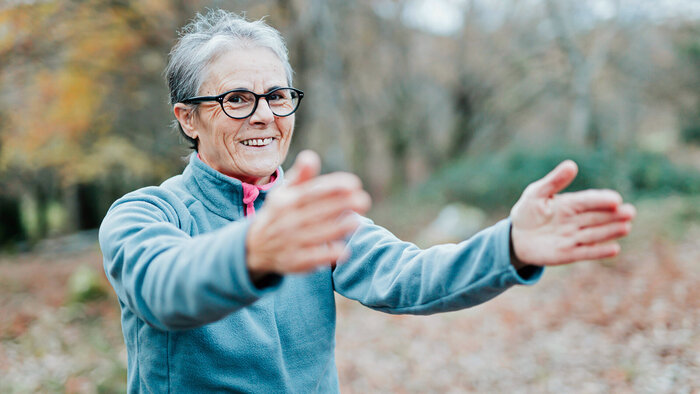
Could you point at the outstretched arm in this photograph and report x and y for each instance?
(545, 228)
(394, 276)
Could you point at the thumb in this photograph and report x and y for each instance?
(306, 166)
(557, 180)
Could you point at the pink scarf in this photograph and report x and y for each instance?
(251, 192)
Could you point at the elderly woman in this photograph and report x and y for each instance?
(226, 274)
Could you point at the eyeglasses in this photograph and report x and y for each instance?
(241, 103)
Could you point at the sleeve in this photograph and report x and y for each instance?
(393, 276)
(168, 278)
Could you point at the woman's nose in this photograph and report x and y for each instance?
(263, 114)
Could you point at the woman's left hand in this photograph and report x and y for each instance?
(552, 229)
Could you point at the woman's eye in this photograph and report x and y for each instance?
(239, 98)
(279, 95)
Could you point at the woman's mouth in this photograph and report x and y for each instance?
(257, 141)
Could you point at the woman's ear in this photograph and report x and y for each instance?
(185, 115)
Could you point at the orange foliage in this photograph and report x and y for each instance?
(61, 107)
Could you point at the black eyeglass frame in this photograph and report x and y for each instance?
(220, 99)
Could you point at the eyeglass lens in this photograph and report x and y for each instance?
(241, 104)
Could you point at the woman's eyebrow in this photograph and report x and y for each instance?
(240, 88)
(248, 88)
(229, 88)
(273, 87)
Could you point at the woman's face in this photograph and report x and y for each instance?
(221, 138)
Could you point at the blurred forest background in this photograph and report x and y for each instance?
(439, 106)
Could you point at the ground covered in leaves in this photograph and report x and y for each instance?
(629, 325)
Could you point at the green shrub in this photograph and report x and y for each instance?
(652, 174)
(495, 181)
(85, 285)
(691, 134)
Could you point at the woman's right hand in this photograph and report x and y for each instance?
(304, 222)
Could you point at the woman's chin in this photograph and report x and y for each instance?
(260, 170)
(259, 162)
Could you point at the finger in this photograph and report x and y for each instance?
(307, 165)
(295, 195)
(557, 180)
(628, 209)
(604, 233)
(326, 186)
(332, 207)
(594, 252)
(590, 200)
(625, 212)
(308, 258)
(327, 231)
(313, 224)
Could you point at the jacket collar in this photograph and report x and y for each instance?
(221, 194)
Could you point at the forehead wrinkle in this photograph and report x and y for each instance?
(270, 73)
(226, 84)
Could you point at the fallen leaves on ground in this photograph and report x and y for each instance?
(629, 325)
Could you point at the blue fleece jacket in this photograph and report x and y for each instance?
(194, 322)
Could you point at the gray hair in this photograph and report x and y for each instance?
(203, 40)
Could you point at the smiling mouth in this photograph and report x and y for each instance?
(257, 141)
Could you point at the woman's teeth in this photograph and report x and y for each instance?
(257, 142)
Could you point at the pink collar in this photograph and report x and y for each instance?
(251, 192)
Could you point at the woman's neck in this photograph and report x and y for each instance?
(246, 179)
